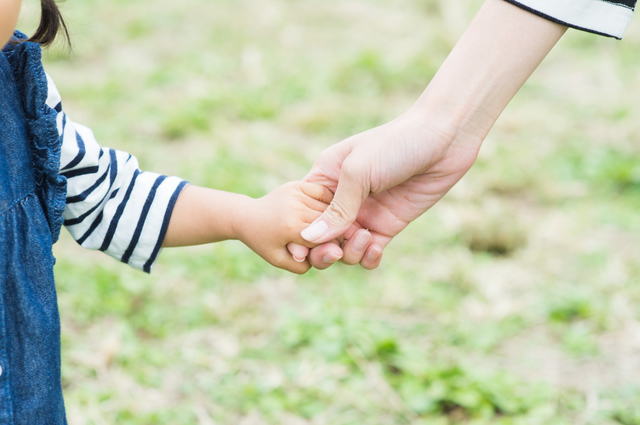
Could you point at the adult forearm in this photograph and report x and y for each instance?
(492, 60)
(388, 176)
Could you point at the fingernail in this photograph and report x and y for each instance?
(361, 242)
(299, 260)
(315, 231)
(330, 258)
(373, 255)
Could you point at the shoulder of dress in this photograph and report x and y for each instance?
(41, 105)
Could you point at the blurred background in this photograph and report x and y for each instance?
(514, 301)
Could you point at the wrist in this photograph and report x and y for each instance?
(202, 215)
(451, 123)
(242, 219)
(492, 60)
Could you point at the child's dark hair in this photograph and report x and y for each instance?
(51, 24)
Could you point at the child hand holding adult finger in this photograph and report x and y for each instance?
(266, 225)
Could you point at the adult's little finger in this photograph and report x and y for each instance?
(355, 248)
(372, 257)
(325, 255)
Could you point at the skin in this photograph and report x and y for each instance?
(9, 13)
(385, 178)
(388, 176)
(266, 225)
(204, 215)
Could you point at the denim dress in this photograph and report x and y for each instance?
(32, 200)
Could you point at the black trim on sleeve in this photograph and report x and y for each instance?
(557, 21)
(165, 226)
(141, 221)
(629, 3)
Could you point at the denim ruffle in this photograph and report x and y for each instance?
(51, 188)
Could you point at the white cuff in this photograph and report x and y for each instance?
(598, 16)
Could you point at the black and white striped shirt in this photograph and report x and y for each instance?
(604, 17)
(111, 205)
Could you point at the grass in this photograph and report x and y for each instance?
(513, 301)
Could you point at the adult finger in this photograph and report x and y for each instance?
(326, 169)
(320, 257)
(353, 188)
(372, 257)
(325, 255)
(355, 247)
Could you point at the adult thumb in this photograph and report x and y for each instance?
(353, 189)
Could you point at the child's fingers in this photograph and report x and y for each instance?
(316, 206)
(299, 252)
(316, 191)
(284, 260)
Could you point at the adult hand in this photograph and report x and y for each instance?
(386, 177)
(383, 179)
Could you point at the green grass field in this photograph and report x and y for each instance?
(516, 300)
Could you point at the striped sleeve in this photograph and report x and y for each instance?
(604, 17)
(111, 205)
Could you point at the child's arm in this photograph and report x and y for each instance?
(129, 214)
(111, 205)
(265, 225)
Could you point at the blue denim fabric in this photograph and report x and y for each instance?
(31, 204)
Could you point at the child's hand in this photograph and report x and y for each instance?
(268, 224)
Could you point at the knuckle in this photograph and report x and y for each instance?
(326, 153)
(356, 174)
(351, 170)
(327, 195)
(336, 213)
